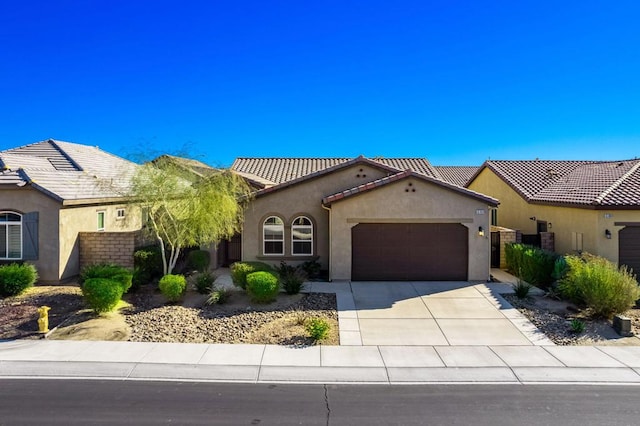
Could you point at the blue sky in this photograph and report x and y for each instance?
(454, 81)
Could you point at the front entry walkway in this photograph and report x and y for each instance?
(429, 313)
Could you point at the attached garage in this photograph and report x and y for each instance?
(409, 252)
(629, 248)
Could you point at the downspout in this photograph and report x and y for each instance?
(330, 233)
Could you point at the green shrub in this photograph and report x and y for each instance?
(218, 296)
(102, 294)
(291, 278)
(318, 328)
(109, 271)
(311, 268)
(577, 326)
(522, 289)
(172, 286)
(598, 284)
(240, 270)
(16, 278)
(198, 260)
(149, 261)
(203, 281)
(140, 278)
(532, 264)
(262, 286)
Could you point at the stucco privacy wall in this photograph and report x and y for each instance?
(25, 200)
(514, 212)
(300, 199)
(430, 203)
(85, 219)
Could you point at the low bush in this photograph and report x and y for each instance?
(532, 264)
(577, 326)
(203, 281)
(102, 294)
(262, 286)
(198, 260)
(109, 271)
(291, 278)
(318, 328)
(16, 278)
(218, 296)
(240, 270)
(148, 260)
(522, 289)
(599, 285)
(312, 268)
(172, 286)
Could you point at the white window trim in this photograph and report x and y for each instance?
(118, 215)
(305, 241)
(6, 225)
(104, 220)
(264, 240)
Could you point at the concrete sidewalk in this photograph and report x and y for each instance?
(320, 364)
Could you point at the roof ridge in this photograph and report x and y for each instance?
(617, 183)
(66, 155)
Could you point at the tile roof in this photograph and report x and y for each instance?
(399, 176)
(67, 171)
(579, 183)
(457, 175)
(274, 171)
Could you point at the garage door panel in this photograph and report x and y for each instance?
(629, 248)
(411, 251)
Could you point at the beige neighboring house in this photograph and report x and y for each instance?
(51, 191)
(365, 219)
(591, 206)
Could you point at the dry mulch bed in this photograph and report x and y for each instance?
(151, 319)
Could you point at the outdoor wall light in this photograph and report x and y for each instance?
(480, 231)
(550, 225)
(532, 218)
(607, 234)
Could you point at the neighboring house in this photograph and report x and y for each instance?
(591, 206)
(457, 175)
(50, 191)
(365, 219)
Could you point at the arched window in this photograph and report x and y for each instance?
(302, 236)
(10, 235)
(273, 235)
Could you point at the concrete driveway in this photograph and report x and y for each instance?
(431, 314)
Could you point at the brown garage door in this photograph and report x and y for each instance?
(629, 248)
(409, 251)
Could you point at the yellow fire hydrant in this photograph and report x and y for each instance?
(43, 320)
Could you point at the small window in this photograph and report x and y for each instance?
(302, 237)
(273, 236)
(10, 235)
(494, 217)
(119, 214)
(100, 221)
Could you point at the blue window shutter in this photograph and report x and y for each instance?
(30, 236)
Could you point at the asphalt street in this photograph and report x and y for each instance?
(69, 402)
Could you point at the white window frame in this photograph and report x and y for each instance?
(6, 226)
(274, 227)
(104, 220)
(120, 213)
(295, 227)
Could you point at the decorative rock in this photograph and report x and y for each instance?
(622, 325)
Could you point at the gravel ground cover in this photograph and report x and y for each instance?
(554, 318)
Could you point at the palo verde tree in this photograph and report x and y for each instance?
(185, 207)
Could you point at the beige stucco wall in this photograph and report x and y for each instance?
(85, 219)
(302, 199)
(26, 200)
(565, 222)
(430, 203)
